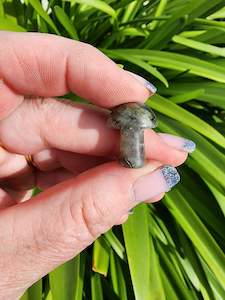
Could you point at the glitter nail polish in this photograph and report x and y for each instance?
(170, 175)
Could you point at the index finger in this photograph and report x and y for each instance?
(47, 65)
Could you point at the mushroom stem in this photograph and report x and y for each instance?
(132, 147)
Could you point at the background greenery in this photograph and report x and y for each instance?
(173, 250)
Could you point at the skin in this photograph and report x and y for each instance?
(86, 191)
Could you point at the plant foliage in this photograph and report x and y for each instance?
(174, 249)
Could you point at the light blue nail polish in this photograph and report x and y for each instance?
(171, 176)
(150, 86)
(189, 146)
(145, 82)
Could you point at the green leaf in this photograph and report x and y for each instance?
(220, 197)
(137, 61)
(8, 24)
(117, 277)
(2, 13)
(66, 281)
(218, 14)
(96, 287)
(156, 286)
(177, 282)
(173, 61)
(210, 214)
(80, 261)
(170, 291)
(199, 46)
(39, 9)
(181, 98)
(101, 252)
(218, 290)
(65, 21)
(159, 11)
(196, 264)
(197, 232)
(42, 25)
(132, 31)
(25, 296)
(115, 244)
(49, 296)
(206, 156)
(184, 14)
(138, 251)
(180, 114)
(131, 10)
(214, 91)
(98, 4)
(35, 291)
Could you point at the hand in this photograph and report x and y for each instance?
(85, 192)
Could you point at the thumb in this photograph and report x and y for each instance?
(57, 224)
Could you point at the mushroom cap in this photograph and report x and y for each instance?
(132, 116)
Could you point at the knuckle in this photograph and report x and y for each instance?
(93, 218)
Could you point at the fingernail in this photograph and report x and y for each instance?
(171, 176)
(156, 182)
(178, 142)
(189, 146)
(145, 82)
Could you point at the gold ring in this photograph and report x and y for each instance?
(30, 160)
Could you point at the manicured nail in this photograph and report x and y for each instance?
(171, 176)
(178, 142)
(155, 183)
(189, 146)
(145, 82)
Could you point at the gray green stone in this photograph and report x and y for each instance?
(132, 119)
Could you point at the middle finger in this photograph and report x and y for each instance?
(37, 125)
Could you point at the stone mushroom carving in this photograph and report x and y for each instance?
(132, 119)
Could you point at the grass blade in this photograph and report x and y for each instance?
(101, 252)
(80, 261)
(66, 281)
(34, 292)
(197, 233)
(182, 16)
(180, 114)
(169, 289)
(181, 98)
(214, 91)
(206, 156)
(196, 264)
(145, 66)
(7, 24)
(115, 244)
(138, 251)
(39, 9)
(156, 287)
(177, 282)
(96, 287)
(117, 277)
(65, 21)
(101, 5)
(174, 61)
(199, 46)
(159, 11)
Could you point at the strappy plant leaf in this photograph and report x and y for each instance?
(175, 249)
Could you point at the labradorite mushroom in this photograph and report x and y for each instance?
(132, 119)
